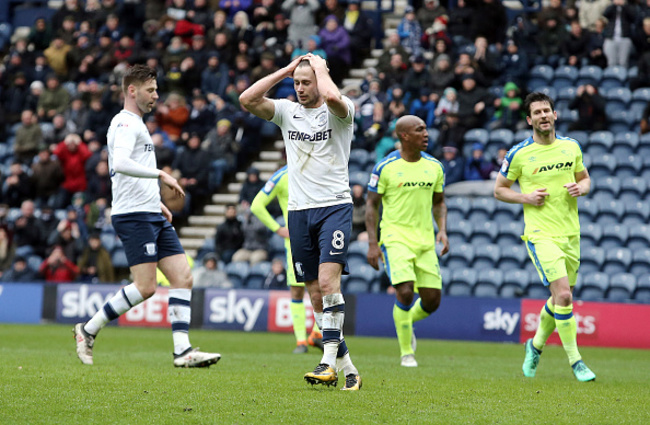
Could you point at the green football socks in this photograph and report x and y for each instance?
(567, 328)
(546, 325)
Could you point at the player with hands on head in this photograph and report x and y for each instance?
(409, 185)
(143, 224)
(317, 132)
(551, 176)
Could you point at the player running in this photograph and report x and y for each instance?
(317, 133)
(278, 187)
(552, 176)
(143, 223)
(409, 184)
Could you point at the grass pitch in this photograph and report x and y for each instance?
(259, 381)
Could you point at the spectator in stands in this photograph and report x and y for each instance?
(177, 205)
(591, 109)
(95, 265)
(451, 132)
(214, 78)
(202, 117)
(396, 107)
(16, 187)
(424, 107)
(28, 138)
(40, 70)
(618, 32)
(429, 12)
(555, 11)
(222, 151)
(410, 32)
(256, 237)
(497, 161)
(489, 20)
(459, 25)
(67, 30)
(58, 131)
(395, 74)
(73, 154)
(27, 234)
(477, 166)
(514, 65)
(550, 39)
(56, 56)
(472, 103)
(596, 43)
(234, 6)
(313, 46)
(359, 25)
(643, 77)
(266, 67)
(19, 272)
(7, 250)
(67, 236)
(642, 36)
(302, 14)
(208, 274)
(576, 47)
(416, 79)
(15, 98)
(591, 11)
(251, 186)
(358, 211)
(263, 13)
(448, 103)
(487, 59)
(194, 166)
(96, 218)
(229, 237)
(172, 115)
(54, 99)
(466, 65)
(645, 120)
(509, 111)
(442, 75)
(68, 8)
(57, 268)
(391, 47)
(47, 222)
(330, 7)
(335, 40)
(77, 113)
(40, 35)
(250, 132)
(46, 178)
(453, 164)
(99, 182)
(277, 277)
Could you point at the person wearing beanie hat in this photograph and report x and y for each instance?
(313, 47)
(509, 109)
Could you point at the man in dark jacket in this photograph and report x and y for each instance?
(194, 165)
(472, 101)
(229, 237)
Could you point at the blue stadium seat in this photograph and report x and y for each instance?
(434, 133)
(620, 121)
(108, 241)
(540, 76)
(118, 258)
(509, 232)
(358, 159)
(359, 177)
(594, 286)
(521, 135)
(549, 91)
(536, 288)
(482, 209)
(621, 287)
(462, 282)
(454, 216)
(355, 285)
(587, 210)
(445, 275)
(592, 259)
(476, 135)
(628, 166)
(618, 95)
(364, 271)
(358, 250)
(513, 258)
(208, 246)
(486, 256)
(459, 203)
(506, 212)
(590, 74)
(565, 76)
(600, 142)
(617, 260)
(566, 93)
(257, 275)
(636, 213)
(641, 94)
(613, 76)
(610, 212)
(501, 136)
(514, 283)
(581, 136)
(642, 292)
(483, 233)
(627, 142)
(614, 236)
(640, 264)
(609, 185)
(632, 189)
(636, 109)
(638, 237)
(591, 233)
(564, 118)
(460, 257)
(275, 246)
(459, 233)
(34, 262)
(237, 272)
(488, 283)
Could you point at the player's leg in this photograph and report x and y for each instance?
(404, 323)
(298, 317)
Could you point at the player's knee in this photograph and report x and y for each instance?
(404, 293)
(563, 298)
(147, 290)
(431, 305)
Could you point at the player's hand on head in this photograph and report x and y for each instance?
(293, 65)
(573, 189)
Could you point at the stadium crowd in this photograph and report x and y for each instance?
(459, 67)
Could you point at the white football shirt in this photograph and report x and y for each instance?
(128, 134)
(318, 151)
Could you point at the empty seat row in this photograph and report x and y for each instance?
(568, 76)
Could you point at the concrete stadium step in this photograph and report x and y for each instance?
(391, 23)
(198, 232)
(225, 198)
(192, 243)
(192, 252)
(375, 53)
(271, 156)
(279, 145)
(205, 220)
(264, 175)
(352, 82)
(357, 73)
(235, 188)
(370, 63)
(271, 166)
(212, 209)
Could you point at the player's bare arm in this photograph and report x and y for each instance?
(372, 216)
(253, 98)
(440, 215)
(326, 86)
(172, 183)
(582, 186)
(504, 192)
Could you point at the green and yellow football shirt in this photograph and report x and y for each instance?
(538, 166)
(407, 190)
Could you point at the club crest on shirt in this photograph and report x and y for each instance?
(374, 178)
(150, 249)
(504, 166)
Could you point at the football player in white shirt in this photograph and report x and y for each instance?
(143, 224)
(317, 133)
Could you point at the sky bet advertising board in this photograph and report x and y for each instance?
(236, 310)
